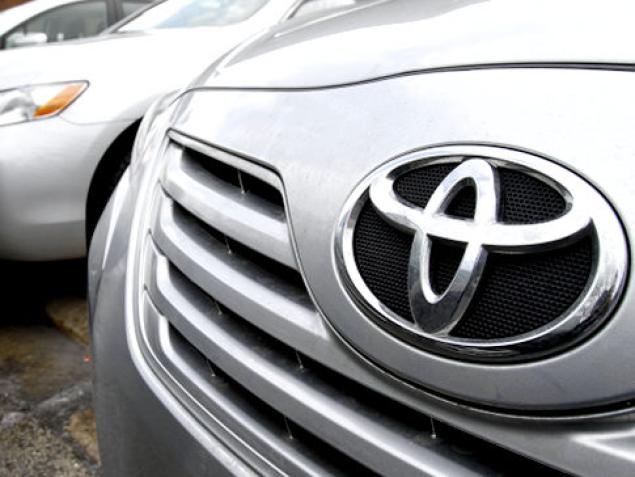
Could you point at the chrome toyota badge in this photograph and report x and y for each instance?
(483, 253)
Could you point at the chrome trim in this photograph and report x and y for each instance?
(372, 439)
(258, 171)
(192, 381)
(586, 212)
(252, 221)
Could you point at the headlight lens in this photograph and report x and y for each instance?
(39, 101)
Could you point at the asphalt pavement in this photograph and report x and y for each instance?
(47, 425)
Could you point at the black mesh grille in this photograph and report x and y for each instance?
(525, 199)
(463, 204)
(444, 262)
(419, 185)
(520, 293)
(517, 294)
(382, 254)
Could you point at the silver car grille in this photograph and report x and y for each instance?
(229, 326)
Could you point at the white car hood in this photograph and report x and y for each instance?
(123, 69)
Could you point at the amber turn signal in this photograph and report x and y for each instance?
(61, 100)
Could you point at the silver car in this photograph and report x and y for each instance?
(393, 240)
(69, 113)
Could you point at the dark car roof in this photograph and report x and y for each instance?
(387, 38)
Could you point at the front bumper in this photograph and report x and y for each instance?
(45, 171)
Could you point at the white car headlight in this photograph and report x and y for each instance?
(27, 103)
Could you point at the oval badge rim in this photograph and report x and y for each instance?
(581, 321)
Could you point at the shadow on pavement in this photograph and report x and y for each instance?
(46, 417)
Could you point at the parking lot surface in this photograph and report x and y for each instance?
(47, 423)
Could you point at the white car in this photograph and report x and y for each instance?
(45, 21)
(69, 112)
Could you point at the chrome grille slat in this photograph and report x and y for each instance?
(287, 456)
(383, 445)
(285, 314)
(262, 173)
(266, 299)
(248, 314)
(253, 221)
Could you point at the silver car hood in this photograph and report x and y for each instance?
(137, 57)
(390, 38)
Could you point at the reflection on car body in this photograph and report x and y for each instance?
(393, 240)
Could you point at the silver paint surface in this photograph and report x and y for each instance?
(320, 162)
(389, 38)
(322, 143)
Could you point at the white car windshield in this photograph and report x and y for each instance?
(193, 13)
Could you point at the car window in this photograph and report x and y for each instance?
(313, 6)
(77, 20)
(191, 13)
(131, 6)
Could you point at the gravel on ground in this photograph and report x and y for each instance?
(47, 425)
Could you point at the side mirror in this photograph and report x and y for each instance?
(26, 39)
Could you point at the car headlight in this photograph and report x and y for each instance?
(27, 103)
